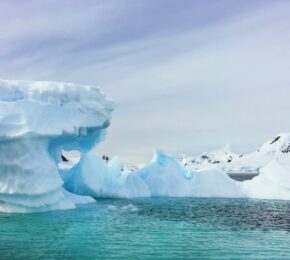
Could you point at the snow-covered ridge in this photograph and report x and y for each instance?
(219, 157)
(270, 150)
(248, 163)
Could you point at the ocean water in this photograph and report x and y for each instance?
(174, 228)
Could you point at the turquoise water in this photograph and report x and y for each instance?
(152, 229)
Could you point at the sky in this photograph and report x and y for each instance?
(187, 76)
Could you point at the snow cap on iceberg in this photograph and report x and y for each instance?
(50, 108)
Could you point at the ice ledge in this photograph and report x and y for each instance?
(50, 108)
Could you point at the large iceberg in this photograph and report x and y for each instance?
(37, 121)
(166, 177)
(43, 123)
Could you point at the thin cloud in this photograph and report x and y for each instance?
(186, 75)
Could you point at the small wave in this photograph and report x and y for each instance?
(123, 209)
(112, 208)
(130, 208)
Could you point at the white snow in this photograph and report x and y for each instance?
(50, 108)
(221, 157)
(269, 151)
(273, 181)
(234, 163)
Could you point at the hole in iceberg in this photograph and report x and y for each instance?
(69, 159)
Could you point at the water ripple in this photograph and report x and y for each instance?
(173, 228)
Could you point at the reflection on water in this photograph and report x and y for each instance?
(174, 228)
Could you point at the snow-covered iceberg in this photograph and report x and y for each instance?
(273, 181)
(165, 176)
(37, 121)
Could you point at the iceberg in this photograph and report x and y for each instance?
(94, 177)
(37, 121)
(167, 177)
(272, 183)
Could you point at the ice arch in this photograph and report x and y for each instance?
(37, 120)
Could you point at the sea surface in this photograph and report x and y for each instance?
(174, 228)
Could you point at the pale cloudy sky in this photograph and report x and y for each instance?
(187, 75)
